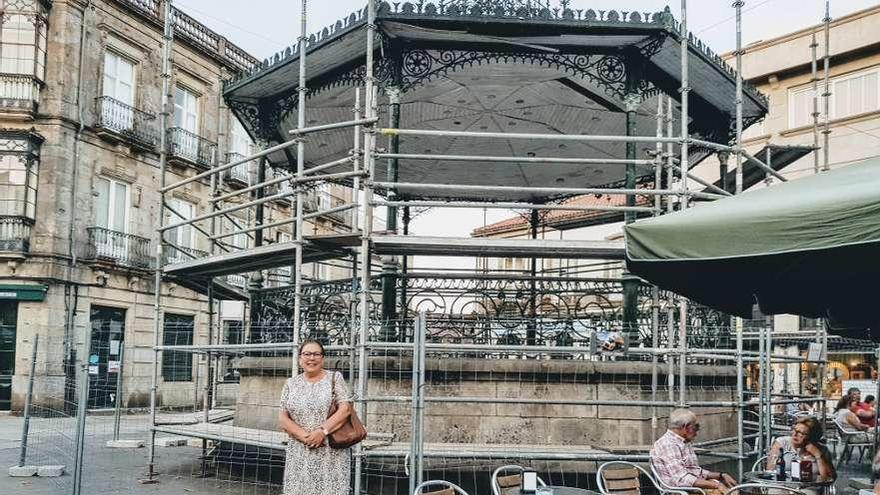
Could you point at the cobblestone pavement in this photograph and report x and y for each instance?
(108, 471)
(117, 471)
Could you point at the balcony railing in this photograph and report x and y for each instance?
(118, 247)
(238, 173)
(15, 234)
(19, 92)
(173, 255)
(191, 147)
(127, 121)
(150, 7)
(239, 281)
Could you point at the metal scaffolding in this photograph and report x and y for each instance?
(362, 243)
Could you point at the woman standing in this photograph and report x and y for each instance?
(805, 440)
(312, 467)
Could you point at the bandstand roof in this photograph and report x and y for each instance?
(501, 69)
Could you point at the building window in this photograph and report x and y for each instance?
(240, 147)
(118, 78)
(186, 110)
(177, 365)
(23, 29)
(184, 236)
(18, 178)
(852, 94)
(112, 205)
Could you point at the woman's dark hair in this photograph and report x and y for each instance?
(311, 341)
(869, 399)
(814, 429)
(843, 403)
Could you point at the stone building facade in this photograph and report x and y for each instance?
(79, 196)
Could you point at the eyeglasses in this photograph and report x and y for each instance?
(695, 426)
(311, 354)
(798, 432)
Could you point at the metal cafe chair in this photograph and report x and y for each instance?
(623, 478)
(667, 488)
(445, 488)
(502, 484)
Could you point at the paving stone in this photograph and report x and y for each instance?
(52, 471)
(22, 471)
(125, 444)
(171, 441)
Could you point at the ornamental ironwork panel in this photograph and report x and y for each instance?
(461, 309)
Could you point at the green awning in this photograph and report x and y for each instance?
(23, 292)
(808, 247)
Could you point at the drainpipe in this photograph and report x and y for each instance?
(71, 248)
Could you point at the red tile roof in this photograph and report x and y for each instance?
(554, 218)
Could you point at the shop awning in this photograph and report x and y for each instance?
(28, 292)
(807, 247)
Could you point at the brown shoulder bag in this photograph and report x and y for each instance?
(352, 431)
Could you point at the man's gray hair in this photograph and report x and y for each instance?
(679, 418)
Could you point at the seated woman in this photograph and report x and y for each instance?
(805, 439)
(847, 415)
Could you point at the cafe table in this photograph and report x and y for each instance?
(769, 477)
(562, 490)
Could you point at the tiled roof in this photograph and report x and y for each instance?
(554, 218)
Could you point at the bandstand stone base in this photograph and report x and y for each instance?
(612, 428)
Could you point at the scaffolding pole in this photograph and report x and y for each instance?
(369, 164)
(168, 40)
(738, 5)
(685, 137)
(826, 132)
(655, 291)
(814, 80)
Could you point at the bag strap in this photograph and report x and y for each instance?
(333, 387)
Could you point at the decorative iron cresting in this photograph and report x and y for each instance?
(463, 309)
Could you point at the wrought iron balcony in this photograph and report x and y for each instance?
(173, 255)
(19, 93)
(239, 281)
(119, 248)
(240, 173)
(15, 234)
(191, 148)
(127, 122)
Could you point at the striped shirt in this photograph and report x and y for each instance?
(676, 461)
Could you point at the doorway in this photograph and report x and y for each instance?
(8, 320)
(105, 367)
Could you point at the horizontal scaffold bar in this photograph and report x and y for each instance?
(554, 402)
(516, 159)
(524, 206)
(256, 202)
(515, 135)
(268, 151)
(549, 191)
(279, 223)
(294, 179)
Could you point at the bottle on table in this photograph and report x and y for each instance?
(806, 468)
(780, 467)
(796, 468)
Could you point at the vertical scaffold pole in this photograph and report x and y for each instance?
(762, 420)
(670, 207)
(768, 376)
(355, 192)
(366, 233)
(655, 291)
(300, 171)
(164, 116)
(739, 397)
(738, 5)
(685, 136)
(814, 80)
(826, 132)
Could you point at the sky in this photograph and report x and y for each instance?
(264, 27)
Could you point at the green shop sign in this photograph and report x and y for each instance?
(23, 292)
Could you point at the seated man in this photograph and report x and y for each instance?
(675, 461)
